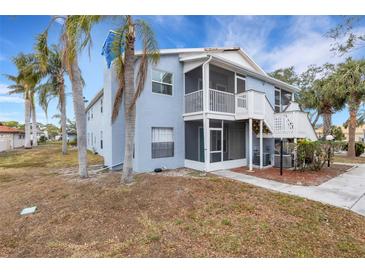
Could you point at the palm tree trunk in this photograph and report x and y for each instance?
(327, 123)
(63, 118)
(130, 114)
(34, 125)
(27, 123)
(79, 109)
(352, 129)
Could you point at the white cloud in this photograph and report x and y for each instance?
(12, 116)
(11, 99)
(4, 89)
(303, 41)
(247, 32)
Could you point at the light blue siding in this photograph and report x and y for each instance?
(259, 85)
(157, 110)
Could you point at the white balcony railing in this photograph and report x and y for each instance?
(220, 101)
(194, 101)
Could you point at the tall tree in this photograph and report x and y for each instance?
(350, 80)
(287, 75)
(319, 93)
(25, 83)
(123, 49)
(75, 36)
(50, 63)
(345, 36)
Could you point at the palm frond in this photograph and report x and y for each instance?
(150, 53)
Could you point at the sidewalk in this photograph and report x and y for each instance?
(345, 191)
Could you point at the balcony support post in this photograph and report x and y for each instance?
(250, 143)
(261, 145)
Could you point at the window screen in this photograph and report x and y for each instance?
(162, 142)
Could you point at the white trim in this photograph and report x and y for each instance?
(194, 165)
(227, 164)
(193, 116)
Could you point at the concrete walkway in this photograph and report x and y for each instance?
(345, 191)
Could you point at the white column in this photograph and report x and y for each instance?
(250, 143)
(206, 143)
(261, 145)
(205, 119)
(222, 141)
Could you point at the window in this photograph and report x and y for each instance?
(101, 139)
(88, 115)
(101, 105)
(162, 142)
(161, 82)
(277, 100)
(240, 84)
(282, 99)
(88, 138)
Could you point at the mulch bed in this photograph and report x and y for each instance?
(297, 177)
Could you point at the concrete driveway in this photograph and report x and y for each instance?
(345, 191)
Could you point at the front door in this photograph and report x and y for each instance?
(201, 145)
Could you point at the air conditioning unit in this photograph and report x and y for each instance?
(288, 161)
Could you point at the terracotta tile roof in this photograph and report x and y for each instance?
(5, 129)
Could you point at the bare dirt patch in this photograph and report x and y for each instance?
(297, 177)
(163, 216)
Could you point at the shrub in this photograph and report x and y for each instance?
(42, 139)
(312, 154)
(359, 148)
(73, 142)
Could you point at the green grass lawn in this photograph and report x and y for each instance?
(159, 216)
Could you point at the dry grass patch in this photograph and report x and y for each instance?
(164, 216)
(349, 160)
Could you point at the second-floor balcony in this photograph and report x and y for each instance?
(227, 96)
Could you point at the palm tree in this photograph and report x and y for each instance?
(25, 83)
(124, 50)
(350, 79)
(319, 93)
(75, 36)
(55, 85)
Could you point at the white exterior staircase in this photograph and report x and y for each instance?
(292, 123)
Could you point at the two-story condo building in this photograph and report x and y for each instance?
(203, 108)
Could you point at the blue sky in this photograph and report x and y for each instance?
(272, 41)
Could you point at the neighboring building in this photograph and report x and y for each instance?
(40, 129)
(95, 123)
(205, 109)
(11, 138)
(359, 133)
